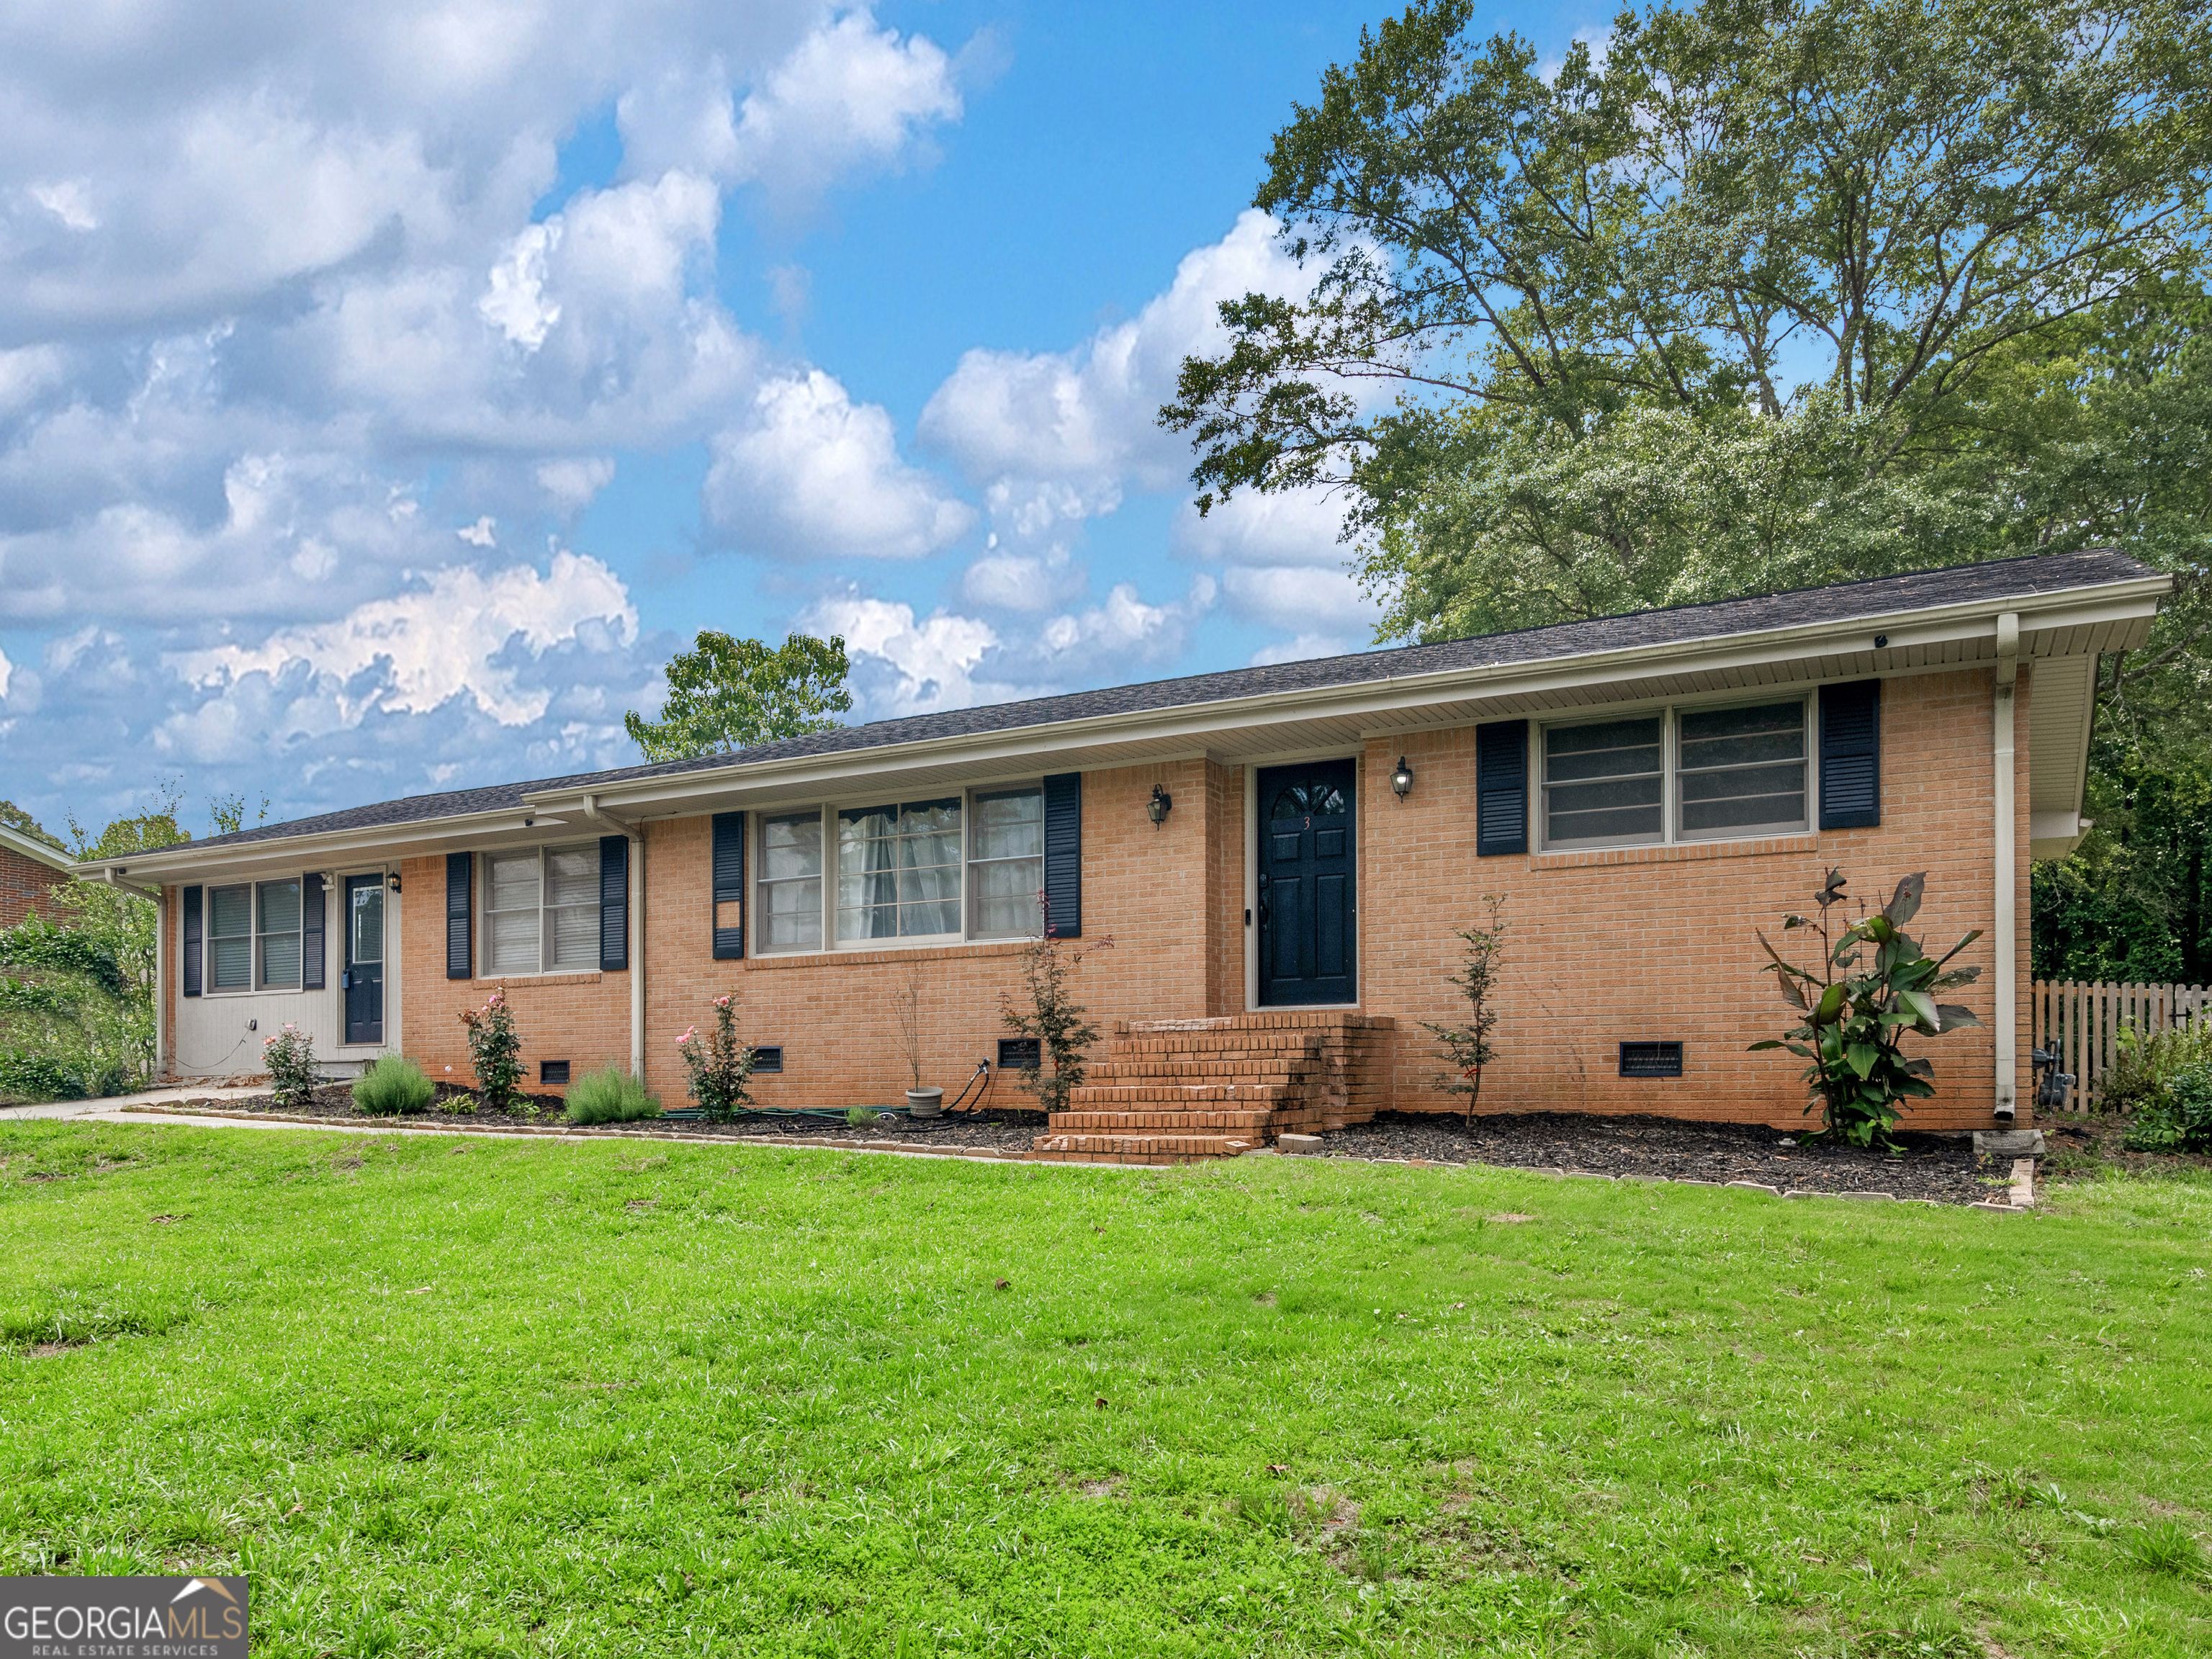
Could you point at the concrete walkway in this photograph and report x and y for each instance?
(109, 1104)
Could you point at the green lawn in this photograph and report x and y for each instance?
(485, 1397)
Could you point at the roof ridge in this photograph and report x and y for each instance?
(1133, 696)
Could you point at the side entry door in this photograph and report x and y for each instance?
(1308, 931)
(364, 959)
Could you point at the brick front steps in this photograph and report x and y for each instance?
(1181, 1090)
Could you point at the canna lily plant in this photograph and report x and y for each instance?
(1875, 985)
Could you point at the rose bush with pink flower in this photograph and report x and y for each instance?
(719, 1064)
(289, 1059)
(495, 1051)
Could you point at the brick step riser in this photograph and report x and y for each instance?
(1226, 1070)
(1190, 1094)
(1147, 1146)
(1241, 1124)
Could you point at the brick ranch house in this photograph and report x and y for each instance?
(1280, 854)
(30, 872)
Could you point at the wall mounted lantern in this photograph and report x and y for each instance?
(1401, 780)
(1158, 808)
(392, 881)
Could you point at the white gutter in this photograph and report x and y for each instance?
(2007, 965)
(1904, 629)
(636, 929)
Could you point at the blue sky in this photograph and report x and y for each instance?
(385, 392)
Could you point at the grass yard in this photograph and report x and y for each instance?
(444, 1396)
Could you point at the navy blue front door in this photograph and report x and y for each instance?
(1307, 932)
(364, 959)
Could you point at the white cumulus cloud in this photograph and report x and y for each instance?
(453, 636)
(813, 474)
(903, 664)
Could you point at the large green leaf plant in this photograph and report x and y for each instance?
(1874, 984)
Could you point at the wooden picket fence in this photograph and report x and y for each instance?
(2086, 1020)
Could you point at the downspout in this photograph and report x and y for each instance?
(637, 928)
(2007, 943)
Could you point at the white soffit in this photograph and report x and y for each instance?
(2061, 699)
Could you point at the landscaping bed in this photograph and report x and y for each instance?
(996, 1129)
(1943, 1168)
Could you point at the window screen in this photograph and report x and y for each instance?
(277, 940)
(898, 870)
(230, 939)
(790, 882)
(542, 912)
(1005, 863)
(1603, 784)
(511, 882)
(1743, 769)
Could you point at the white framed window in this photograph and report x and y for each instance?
(790, 904)
(276, 936)
(230, 938)
(1005, 863)
(1703, 773)
(541, 913)
(898, 870)
(954, 867)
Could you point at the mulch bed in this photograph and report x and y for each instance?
(1942, 1168)
(996, 1129)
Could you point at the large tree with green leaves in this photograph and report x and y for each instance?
(77, 993)
(726, 693)
(1778, 292)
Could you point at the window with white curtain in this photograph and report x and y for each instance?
(542, 910)
(790, 906)
(898, 870)
(1005, 863)
(959, 867)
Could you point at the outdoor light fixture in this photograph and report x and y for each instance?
(1401, 780)
(1158, 808)
(392, 881)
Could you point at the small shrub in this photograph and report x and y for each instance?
(1467, 1049)
(2178, 1117)
(393, 1085)
(289, 1059)
(863, 1117)
(610, 1094)
(2166, 1546)
(2141, 1066)
(495, 1051)
(719, 1064)
(1048, 1012)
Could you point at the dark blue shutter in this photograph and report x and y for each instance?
(1501, 787)
(459, 933)
(614, 904)
(311, 933)
(729, 886)
(1063, 853)
(191, 931)
(1850, 756)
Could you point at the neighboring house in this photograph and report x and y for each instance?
(30, 872)
(1645, 790)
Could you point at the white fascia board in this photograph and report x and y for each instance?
(1196, 723)
(186, 862)
(36, 850)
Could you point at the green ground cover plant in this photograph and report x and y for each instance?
(393, 1085)
(613, 1094)
(442, 1394)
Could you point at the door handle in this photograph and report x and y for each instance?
(345, 981)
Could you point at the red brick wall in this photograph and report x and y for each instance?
(1647, 943)
(583, 1018)
(27, 888)
(1659, 942)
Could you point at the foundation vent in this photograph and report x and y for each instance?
(1651, 1060)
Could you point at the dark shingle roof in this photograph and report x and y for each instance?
(1874, 596)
